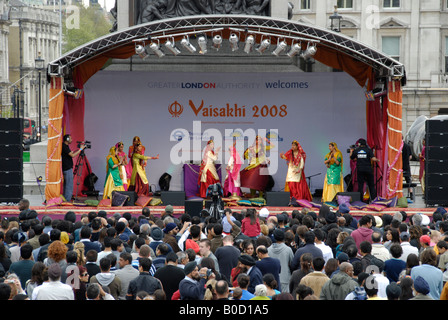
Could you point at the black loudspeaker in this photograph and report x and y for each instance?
(132, 197)
(193, 207)
(436, 152)
(164, 182)
(11, 193)
(279, 198)
(11, 137)
(11, 160)
(436, 164)
(356, 196)
(174, 198)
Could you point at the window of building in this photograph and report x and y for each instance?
(391, 3)
(446, 54)
(391, 47)
(305, 4)
(345, 4)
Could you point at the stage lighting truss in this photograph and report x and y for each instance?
(250, 42)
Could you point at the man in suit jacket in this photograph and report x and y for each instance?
(247, 264)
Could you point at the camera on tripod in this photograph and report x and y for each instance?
(87, 144)
(351, 147)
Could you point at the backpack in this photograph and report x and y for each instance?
(360, 294)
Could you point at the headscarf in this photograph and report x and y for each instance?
(236, 162)
(255, 150)
(337, 151)
(112, 155)
(300, 155)
(206, 151)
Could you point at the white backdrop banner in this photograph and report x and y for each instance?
(175, 114)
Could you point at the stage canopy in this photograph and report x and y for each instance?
(381, 76)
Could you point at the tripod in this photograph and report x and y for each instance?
(80, 162)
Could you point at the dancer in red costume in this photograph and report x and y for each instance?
(232, 183)
(207, 172)
(295, 178)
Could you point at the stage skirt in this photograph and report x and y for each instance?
(300, 190)
(140, 188)
(110, 187)
(252, 179)
(204, 185)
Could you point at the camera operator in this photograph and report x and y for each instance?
(364, 157)
(67, 166)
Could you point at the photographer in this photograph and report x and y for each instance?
(363, 156)
(67, 166)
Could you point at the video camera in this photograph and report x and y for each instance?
(87, 144)
(351, 147)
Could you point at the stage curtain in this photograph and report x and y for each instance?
(375, 137)
(53, 170)
(360, 71)
(395, 140)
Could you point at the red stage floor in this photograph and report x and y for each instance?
(59, 211)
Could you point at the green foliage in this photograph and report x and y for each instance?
(89, 24)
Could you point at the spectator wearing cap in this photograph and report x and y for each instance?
(17, 240)
(54, 289)
(192, 287)
(247, 264)
(428, 271)
(279, 250)
(421, 289)
(170, 231)
(309, 247)
(425, 242)
(157, 238)
(393, 291)
(406, 246)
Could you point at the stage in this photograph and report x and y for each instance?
(58, 212)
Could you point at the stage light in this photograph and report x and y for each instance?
(233, 39)
(155, 47)
(264, 45)
(202, 42)
(141, 51)
(281, 46)
(171, 46)
(185, 42)
(249, 44)
(295, 49)
(217, 41)
(309, 52)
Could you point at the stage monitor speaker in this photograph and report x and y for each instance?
(11, 137)
(277, 198)
(194, 207)
(11, 124)
(174, 198)
(356, 196)
(438, 153)
(11, 178)
(11, 193)
(436, 139)
(132, 197)
(11, 151)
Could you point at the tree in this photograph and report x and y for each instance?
(82, 25)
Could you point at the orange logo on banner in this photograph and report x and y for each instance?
(175, 109)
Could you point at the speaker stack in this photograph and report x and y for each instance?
(11, 159)
(436, 163)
